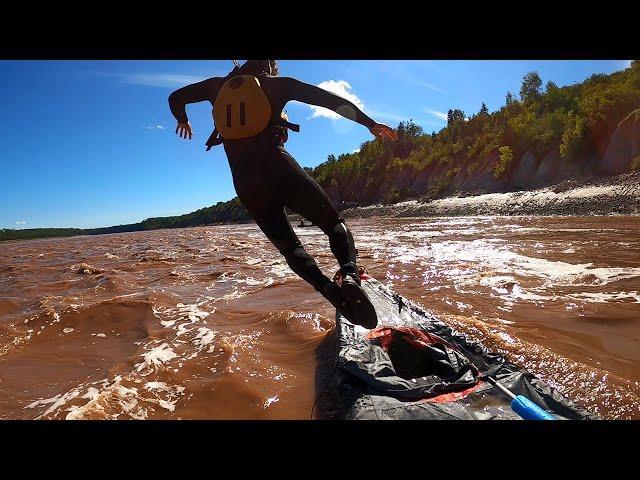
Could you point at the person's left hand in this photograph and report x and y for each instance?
(383, 132)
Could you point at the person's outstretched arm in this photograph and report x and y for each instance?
(312, 95)
(196, 92)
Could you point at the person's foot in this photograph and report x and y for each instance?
(334, 294)
(362, 310)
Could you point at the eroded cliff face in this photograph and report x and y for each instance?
(624, 146)
(525, 172)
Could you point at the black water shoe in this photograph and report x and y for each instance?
(362, 310)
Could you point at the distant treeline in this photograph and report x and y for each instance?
(231, 211)
(10, 234)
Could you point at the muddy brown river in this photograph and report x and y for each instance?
(210, 323)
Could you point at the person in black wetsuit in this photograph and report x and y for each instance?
(267, 178)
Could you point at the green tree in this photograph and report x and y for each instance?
(530, 89)
(509, 100)
(572, 138)
(504, 160)
(454, 116)
(483, 109)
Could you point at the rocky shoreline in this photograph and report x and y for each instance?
(618, 195)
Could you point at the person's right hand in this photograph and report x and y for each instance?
(383, 132)
(184, 129)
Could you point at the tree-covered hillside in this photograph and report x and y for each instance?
(543, 136)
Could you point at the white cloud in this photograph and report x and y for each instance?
(400, 72)
(21, 222)
(388, 115)
(160, 79)
(156, 127)
(435, 113)
(357, 150)
(422, 83)
(626, 64)
(341, 88)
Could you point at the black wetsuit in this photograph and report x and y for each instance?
(267, 178)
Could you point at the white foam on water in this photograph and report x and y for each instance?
(57, 402)
(313, 317)
(567, 230)
(417, 234)
(92, 393)
(520, 294)
(462, 231)
(252, 282)
(501, 284)
(182, 329)
(270, 400)
(204, 337)
(233, 295)
(155, 386)
(116, 397)
(496, 257)
(280, 270)
(507, 338)
(192, 311)
(226, 276)
(156, 357)
(374, 241)
(173, 392)
(67, 330)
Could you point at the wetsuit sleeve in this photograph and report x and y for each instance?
(196, 92)
(312, 95)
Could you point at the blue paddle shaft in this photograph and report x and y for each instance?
(529, 410)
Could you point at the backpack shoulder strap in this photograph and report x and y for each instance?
(214, 139)
(292, 126)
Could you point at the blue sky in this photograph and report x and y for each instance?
(92, 143)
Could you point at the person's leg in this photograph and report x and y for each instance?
(254, 180)
(259, 187)
(303, 195)
(274, 224)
